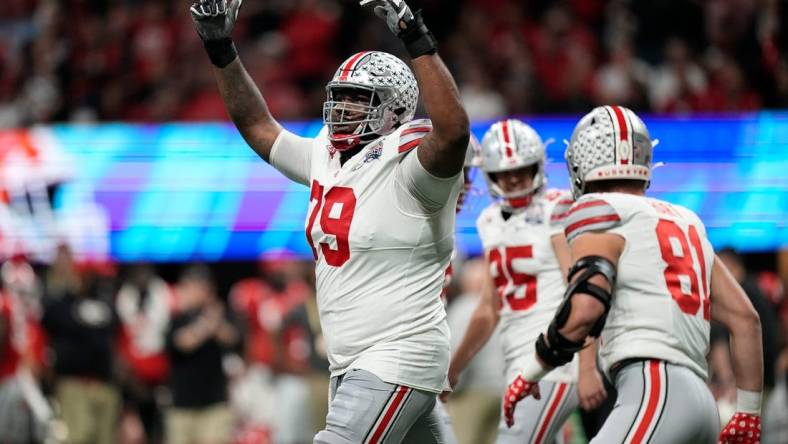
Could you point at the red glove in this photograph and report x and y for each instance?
(518, 389)
(744, 428)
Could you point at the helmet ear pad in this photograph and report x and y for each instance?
(389, 121)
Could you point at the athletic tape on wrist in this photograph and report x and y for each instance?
(418, 39)
(221, 52)
(748, 402)
(531, 369)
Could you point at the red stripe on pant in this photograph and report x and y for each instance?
(389, 414)
(654, 395)
(552, 410)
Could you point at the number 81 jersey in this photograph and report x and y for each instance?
(526, 273)
(660, 306)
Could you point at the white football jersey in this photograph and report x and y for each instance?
(526, 274)
(660, 306)
(382, 232)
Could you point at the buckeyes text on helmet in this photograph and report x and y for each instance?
(511, 145)
(609, 143)
(392, 98)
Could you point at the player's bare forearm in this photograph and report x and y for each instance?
(731, 307)
(586, 310)
(748, 358)
(247, 108)
(587, 357)
(214, 21)
(442, 151)
(480, 328)
(590, 388)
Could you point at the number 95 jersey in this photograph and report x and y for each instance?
(660, 306)
(382, 230)
(526, 274)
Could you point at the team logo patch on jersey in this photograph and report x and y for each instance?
(373, 153)
(535, 214)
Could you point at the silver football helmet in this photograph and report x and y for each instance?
(472, 162)
(393, 95)
(508, 145)
(610, 142)
(473, 155)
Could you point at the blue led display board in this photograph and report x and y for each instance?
(178, 192)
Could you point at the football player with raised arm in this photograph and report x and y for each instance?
(438, 426)
(381, 214)
(646, 281)
(527, 258)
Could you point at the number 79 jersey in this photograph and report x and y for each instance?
(526, 274)
(660, 306)
(382, 232)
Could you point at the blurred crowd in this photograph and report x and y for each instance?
(140, 60)
(96, 352)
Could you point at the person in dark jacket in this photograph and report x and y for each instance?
(199, 336)
(81, 324)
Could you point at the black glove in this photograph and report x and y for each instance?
(214, 21)
(404, 24)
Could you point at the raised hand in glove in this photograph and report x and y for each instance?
(743, 428)
(214, 21)
(406, 25)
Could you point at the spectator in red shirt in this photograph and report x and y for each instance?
(279, 351)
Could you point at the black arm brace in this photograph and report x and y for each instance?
(555, 349)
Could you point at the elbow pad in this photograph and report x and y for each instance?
(555, 349)
(588, 267)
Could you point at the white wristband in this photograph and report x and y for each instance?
(532, 369)
(748, 402)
